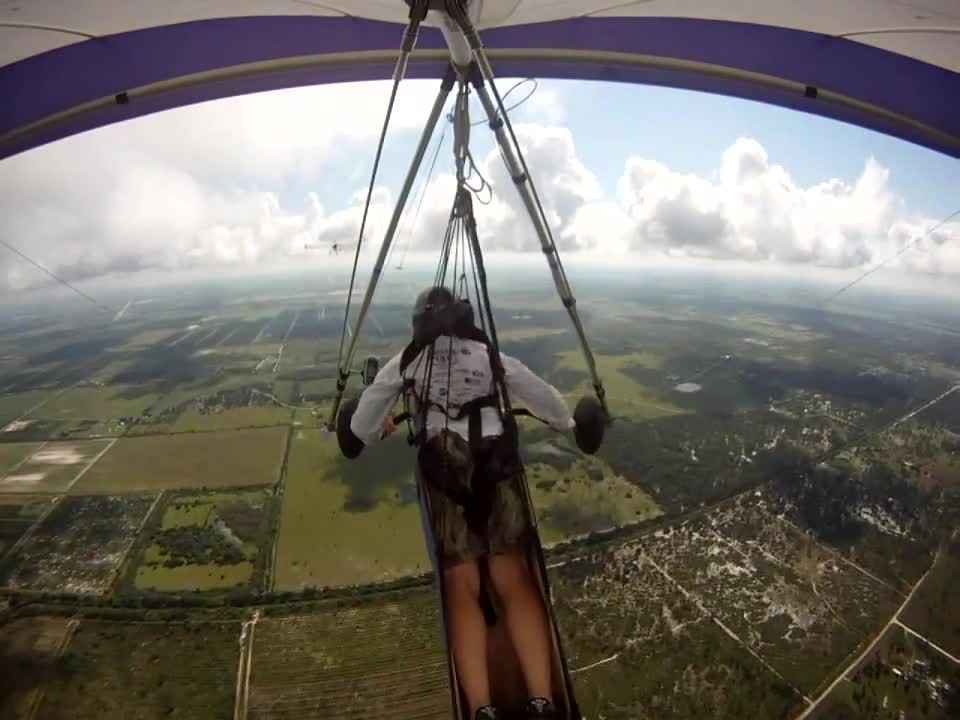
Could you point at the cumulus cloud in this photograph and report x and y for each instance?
(197, 186)
(209, 186)
(563, 183)
(752, 209)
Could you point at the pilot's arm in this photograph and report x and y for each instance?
(540, 397)
(376, 402)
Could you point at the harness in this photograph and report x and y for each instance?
(472, 409)
(476, 500)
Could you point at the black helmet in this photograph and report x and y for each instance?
(437, 312)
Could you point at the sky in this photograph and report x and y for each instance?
(630, 175)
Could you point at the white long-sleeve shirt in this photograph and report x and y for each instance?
(470, 377)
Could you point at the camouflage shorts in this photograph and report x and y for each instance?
(446, 459)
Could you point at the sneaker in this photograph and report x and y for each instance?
(540, 708)
(487, 712)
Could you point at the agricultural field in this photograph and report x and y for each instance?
(235, 418)
(798, 607)
(347, 522)
(16, 404)
(96, 403)
(12, 454)
(902, 678)
(639, 648)
(118, 671)
(188, 460)
(78, 546)
(53, 467)
(17, 514)
(30, 650)
(203, 541)
(371, 656)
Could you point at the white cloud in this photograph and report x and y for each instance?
(201, 186)
(196, 186)
(754, 210)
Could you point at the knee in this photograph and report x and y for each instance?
(510, 575)
(461, 580)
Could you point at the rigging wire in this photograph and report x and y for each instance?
(518, 103)
(59, 279)
(398, 76)
(526, 171)
(909, 246)
(411, 227)
(472, 169)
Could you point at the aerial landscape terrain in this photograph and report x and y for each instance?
(769, 530)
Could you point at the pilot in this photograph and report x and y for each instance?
(470, 468)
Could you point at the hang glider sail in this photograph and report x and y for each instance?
(888, 65)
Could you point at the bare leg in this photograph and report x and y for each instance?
(468, 632)
(526, 620)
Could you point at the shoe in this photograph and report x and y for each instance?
(540, 708)
(487, 712)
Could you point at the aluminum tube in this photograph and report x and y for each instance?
(522, 183)
(435, 113)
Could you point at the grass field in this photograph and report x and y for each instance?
(29, 649)
(13, 453)
(381, 656)
(145, 338)
(52, 467)
(203, 542)
(235, 418)
(189, 460)
(209, 576)
(13, 405)
(322, 542)
(99, 403)
(625, 396)
(117, 671)
(586, 498)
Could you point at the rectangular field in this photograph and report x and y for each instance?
(205, 541)
(53, 467)
(17, 514)
(29, 649)
(347, 522)
(98, 403)
(14, 405)
(234, 418)
(78, 546)
(12, 454)
(188, 460)
(377, 656)
(120, 671)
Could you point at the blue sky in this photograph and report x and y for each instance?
(688, 131)
(631, 173)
